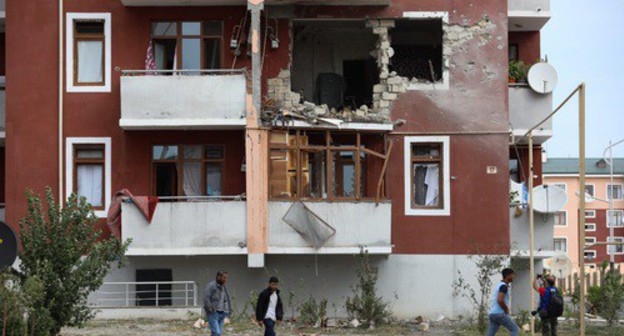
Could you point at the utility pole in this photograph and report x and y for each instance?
(581, 242)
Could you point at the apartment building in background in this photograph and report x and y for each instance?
(281, 137)
(563, 173)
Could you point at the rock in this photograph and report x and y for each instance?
(388, 96)
(331, 323)
(394, 80)
(440, 318)
(423, 326)
(354, 323)
(419, 320)
(379, 88)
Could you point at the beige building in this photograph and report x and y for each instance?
(563, 173)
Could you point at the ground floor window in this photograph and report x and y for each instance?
(590, 255)
(157, 290)
(187, 170)
(319, 164)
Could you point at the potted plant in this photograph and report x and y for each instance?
(517, 71)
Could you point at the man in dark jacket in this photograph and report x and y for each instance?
(269, 309)
(217, 303)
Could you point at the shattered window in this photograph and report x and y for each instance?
(325, 165)
(417, 46)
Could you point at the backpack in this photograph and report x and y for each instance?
(555, 303)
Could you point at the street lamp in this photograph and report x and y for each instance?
(610, 195)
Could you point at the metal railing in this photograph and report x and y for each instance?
(241, 197)
(186, 72)
(135, 294)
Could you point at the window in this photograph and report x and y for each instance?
(427, 189)
(187, 170)
(615, 218)
(590, 213)
(615, 249)
(88, 171)
(590, 241)
(614, 191)
(589, 192)
(590, 266)
(561, 186)
(561, 244)
(590, 227)
(88, 48)
(150, 294)
(561, 218)
(310, 164)
(513, 52)
(590, 255)
(188, 45)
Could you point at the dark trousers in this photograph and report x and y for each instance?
(549, 326)
(269, 327)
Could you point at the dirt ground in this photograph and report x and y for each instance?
(184, 328)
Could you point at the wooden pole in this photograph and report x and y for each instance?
(531, 232)
(581, 241)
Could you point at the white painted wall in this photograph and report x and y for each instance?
(527, 108)
(186, 228)
(544, 228)
(356, 224)
(529, 5)
(413, 284)
(169, 102)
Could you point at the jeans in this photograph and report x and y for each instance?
(216, 320)
(498, 320)
(549, 326)
(269, 327)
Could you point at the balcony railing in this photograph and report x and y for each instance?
(197, 226)
(357, 225)
(183, 99)
(526, 109)
(154, 293)
(244, 2)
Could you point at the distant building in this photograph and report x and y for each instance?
(563, 173)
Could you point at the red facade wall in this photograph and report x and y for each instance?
(601, 234)
(528, 45)
(475, 105)
(522, 154)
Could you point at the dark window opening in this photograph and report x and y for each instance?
(417, 48)
(513, 52)
(332, 62)
(153, 294)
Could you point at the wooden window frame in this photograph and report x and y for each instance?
(80, 37)
(329, 150)
(89, 162)
(444, 205)
(427, 160)
(203, 36)
(71, 50)
(179, 162)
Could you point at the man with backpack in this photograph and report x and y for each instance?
(551, 304)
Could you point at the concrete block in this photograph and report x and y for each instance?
(284, 74)
(395, 80)
(282, 89)
(379, 88)
(383, 74)
(398, 88)
(388, 96)
(384, 104)
(372, 23)
(380, 30)
(386, 23)
(274, 81)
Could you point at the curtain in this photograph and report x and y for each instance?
(426, 184)
(90, 62)
(89, 183)
(192, 178)
(213, 179)
(160, 56)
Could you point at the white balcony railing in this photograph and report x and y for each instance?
(357, 224)
(195, 227)
(154, 293)
(526, 109)
(244, 2)
(183, 99)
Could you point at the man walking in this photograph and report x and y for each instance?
(269, 309)
(499, 312)
(217, 303)
(550, 306)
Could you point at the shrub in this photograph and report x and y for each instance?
(607, 298)
(309, 312)
(365, 305)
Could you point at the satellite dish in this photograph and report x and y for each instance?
(560, 265)
(8, 246)
(542, 78)
(549, 199)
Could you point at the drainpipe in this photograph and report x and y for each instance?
(60, 103)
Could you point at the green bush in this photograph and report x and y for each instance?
(309, 312)
(607, 298)
(518, 71)
(365, 305)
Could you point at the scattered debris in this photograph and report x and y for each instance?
(423, 326)
(331, 323)
(354, 323)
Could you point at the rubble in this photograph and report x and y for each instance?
(354, 323)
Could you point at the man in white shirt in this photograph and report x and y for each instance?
(269, 309)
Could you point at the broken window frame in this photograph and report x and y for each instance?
(178, 38)
(329, 150)
(179, 161)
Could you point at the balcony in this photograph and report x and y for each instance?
(357, 225)
(526, 109)
(186, 228)
(528, 15)
(244, 2)
(188, 99)
(544, 226)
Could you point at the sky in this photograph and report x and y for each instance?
(584, 41)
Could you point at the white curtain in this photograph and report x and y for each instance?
(89, 183)
(432, 180)
(160, 57)
(192, 179)
(90, 62)
(213, 179)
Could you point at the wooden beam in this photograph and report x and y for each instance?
(383, 172)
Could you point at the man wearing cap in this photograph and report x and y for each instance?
(269, 309)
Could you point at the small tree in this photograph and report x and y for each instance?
(365, 305)
(63, 248)
(487, 266)
(607, 298)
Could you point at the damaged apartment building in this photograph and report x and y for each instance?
(279, 137)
